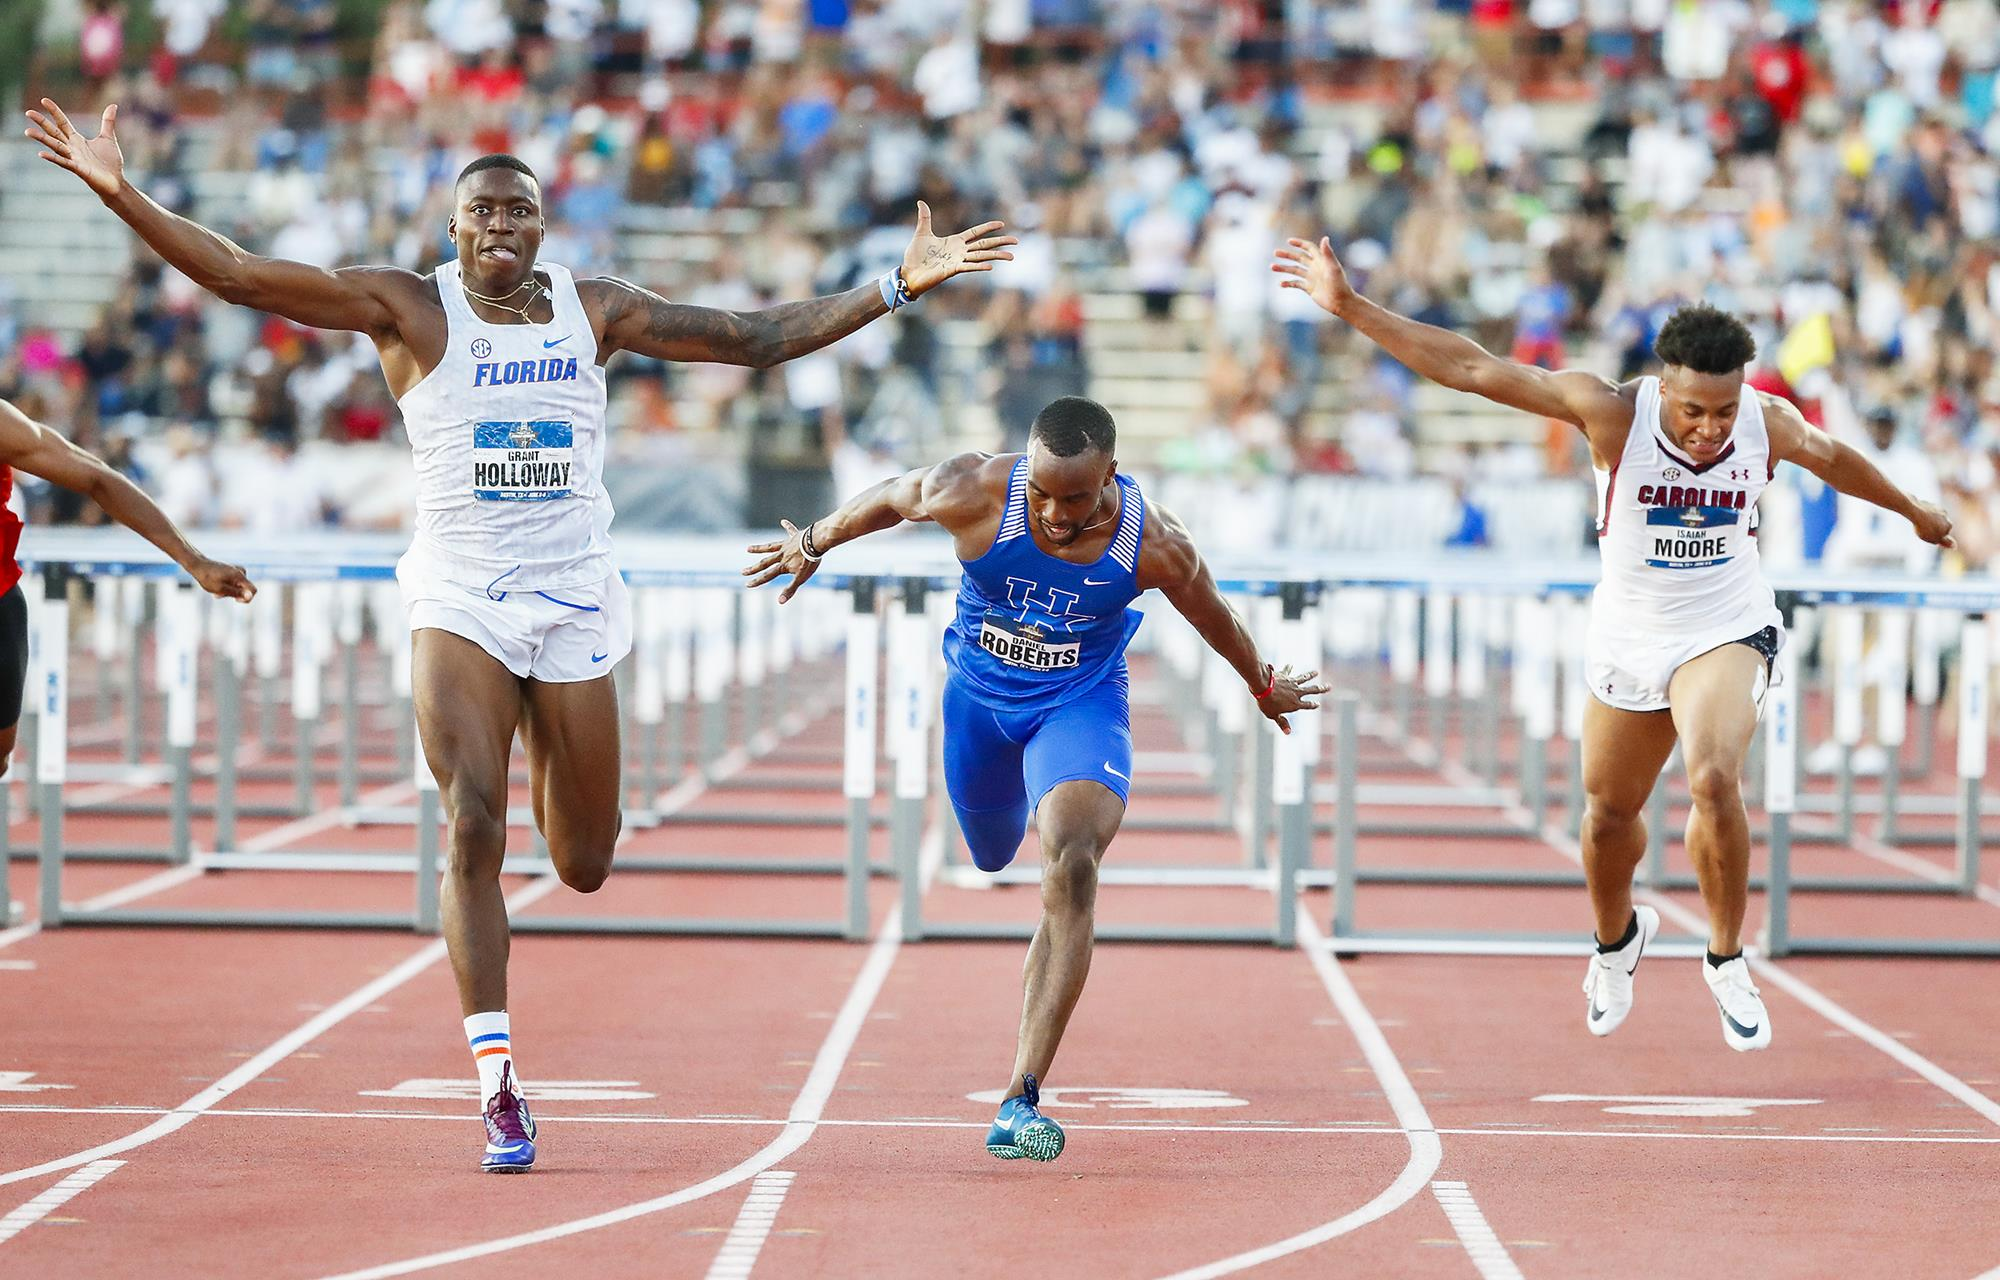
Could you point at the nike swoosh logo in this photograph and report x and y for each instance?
(1748, 1033)
(1596, 1013)
(557, 342)
(1641, 956)
(599, 657)
(1092, 582)
(492, 1150)
(1114, 773)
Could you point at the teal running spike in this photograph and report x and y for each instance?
(1021, 1131)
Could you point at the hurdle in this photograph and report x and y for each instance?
(319, 589)
(1207, 698)
(1530, 674)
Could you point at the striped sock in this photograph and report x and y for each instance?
(492, 1052)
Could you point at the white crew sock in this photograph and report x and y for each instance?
(492, 1052)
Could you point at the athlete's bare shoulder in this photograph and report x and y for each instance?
(1167, 554)
(967, 488)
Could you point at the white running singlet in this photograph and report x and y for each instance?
(508, 433)
(1679, 544)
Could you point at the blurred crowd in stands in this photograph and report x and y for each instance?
(1549, 176)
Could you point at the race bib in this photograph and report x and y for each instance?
(521, 461)
(1690, 537)
(1027, 646)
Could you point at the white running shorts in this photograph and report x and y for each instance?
(559, 636)
(1632, 672)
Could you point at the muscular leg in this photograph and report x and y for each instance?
(467, 706)
(1713, 710)
(1076, 822)
(1623, 752)
(571, 734)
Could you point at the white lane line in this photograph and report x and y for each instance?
(272, 1054)
(333, 1015)
(1919, 1137)
(1559, 840)
(1805, 994)
(754, 1221)
(1489, 1256)
(1425, 1149)
(801, 1123)
(54, 1198)
(1922, 868)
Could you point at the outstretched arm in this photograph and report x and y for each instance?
(354, 298)
(33, 448)
(1793, 439)
(918, 496)
(1442, 356)
(1171, 563)
(639, 320)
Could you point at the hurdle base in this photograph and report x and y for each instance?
(935, 931)
(1398, 942)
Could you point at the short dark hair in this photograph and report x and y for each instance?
(1070, 425)
(1705, 339)
(497, 160)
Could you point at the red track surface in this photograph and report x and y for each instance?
(1846, 1159)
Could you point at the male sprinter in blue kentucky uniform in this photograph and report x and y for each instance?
(517, 610)
(1683, 627)
(1055, 545)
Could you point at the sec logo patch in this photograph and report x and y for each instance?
(481, 348)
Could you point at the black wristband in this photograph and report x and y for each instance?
(813, 553)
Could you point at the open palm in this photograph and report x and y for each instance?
(1313, 270)
(933, 259)
(96, 160)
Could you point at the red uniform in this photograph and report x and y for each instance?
(10, 534)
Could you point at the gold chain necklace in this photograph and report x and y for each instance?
(500, 303)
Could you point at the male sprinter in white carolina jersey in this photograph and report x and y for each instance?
(1683, 627)
(516, 606)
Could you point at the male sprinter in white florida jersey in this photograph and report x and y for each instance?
(516, 606)
(1683, 627)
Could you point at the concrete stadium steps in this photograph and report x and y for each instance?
(62, 254)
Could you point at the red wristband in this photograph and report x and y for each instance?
(1270, 688)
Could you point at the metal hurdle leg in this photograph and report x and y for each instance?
(1974, 675)
(1404, 651)
(717, 612)
(1926, 668)
(132, 600)
(267, 630)
(52, 731)
(229, 671)
(308, 621)
(1347, 740)
(1781, 732)
(909, 745)
(181, 627)
(429, 917)
(1437, 668)
(1291, 758)
(1891, 710)
(649, 693)
(1847, 712)
(864, 632)
(349, 603)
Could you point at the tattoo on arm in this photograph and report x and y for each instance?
(760, 339)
